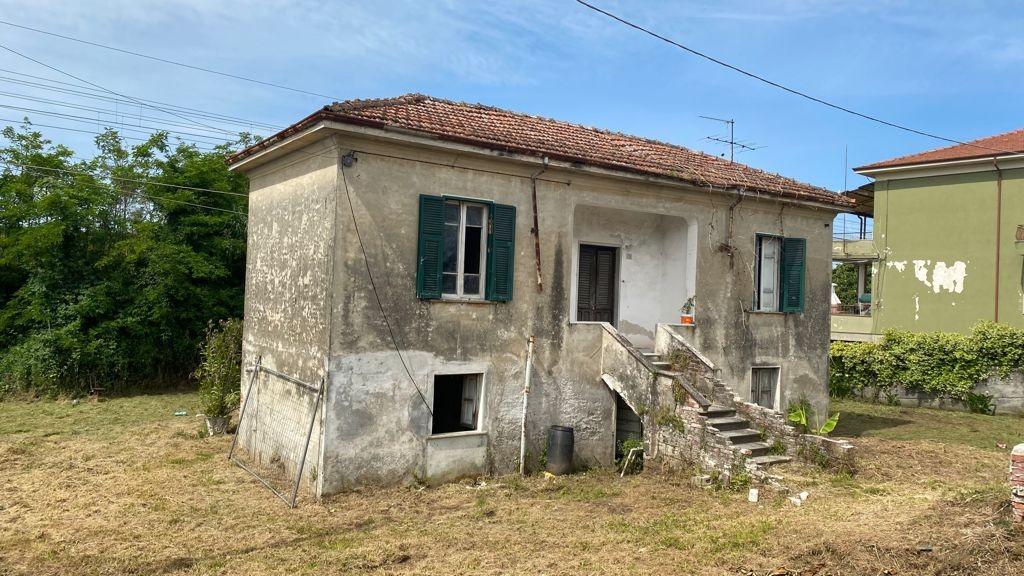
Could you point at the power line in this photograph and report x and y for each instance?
(781, 86)
(151, 197)
(123, 179)
(120, 125)
(87, 92)
(70, 129)
(172, 62)
(140, 102)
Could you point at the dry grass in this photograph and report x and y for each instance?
(124, 487)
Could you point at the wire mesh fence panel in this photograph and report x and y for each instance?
(274, 440)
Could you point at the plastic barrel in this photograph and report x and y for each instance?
(560, 446)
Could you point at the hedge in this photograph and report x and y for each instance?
(941, 363)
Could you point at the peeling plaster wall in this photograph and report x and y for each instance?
(653, 276)
(937, 239)
(291, 216)
(377, 426)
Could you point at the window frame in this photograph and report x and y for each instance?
(776, 385)
(758, 243)
(460, 273)
(481, 406)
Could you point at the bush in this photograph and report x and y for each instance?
(944, 364)
(220, 370)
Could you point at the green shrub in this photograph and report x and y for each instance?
(941, 363)
(220, 370)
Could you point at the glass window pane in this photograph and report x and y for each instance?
(451, 213)
(474, 215)
(451, 248)
(471, 285)
(471, 257)
(448, 283)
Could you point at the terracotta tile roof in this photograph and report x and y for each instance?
(999, 145)
(499, 129)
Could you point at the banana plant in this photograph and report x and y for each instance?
(800, 415)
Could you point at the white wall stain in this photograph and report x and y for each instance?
(917, 307)
(899, 265)
(921, 271)
(949, 278)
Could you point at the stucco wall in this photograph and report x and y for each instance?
(291, 224)
(937, 240)
(377, 426)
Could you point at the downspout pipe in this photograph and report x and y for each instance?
(999, 224)
(536, 224)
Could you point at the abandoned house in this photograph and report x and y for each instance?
(402, 252)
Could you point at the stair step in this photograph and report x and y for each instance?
(755, 448)
(770, 460)
(718, 411)
(728, 423)
(742, 436)
(661, 364)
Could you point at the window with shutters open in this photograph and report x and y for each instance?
(779, 274)
(465, 250)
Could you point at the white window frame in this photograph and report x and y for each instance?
(460, 259)
(481, 390)
(776, 391)
(774, 302)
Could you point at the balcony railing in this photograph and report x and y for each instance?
(860, 309)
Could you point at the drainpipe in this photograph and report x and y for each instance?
(526, 399)
(999, 223)
(536, 225)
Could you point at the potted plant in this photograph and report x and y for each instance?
(220, 374)
(686, 312)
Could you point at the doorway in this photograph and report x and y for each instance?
(595, 284)
(628, 425)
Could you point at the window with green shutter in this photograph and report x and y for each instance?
(779, 273)
(794, 263)
(466, 249)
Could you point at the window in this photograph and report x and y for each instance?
(464, 249)
(763, 384)
(456, 403)
(779, 274)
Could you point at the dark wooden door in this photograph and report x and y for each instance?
(595, 287)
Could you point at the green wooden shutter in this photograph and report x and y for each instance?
(430, 252)
(501, 251)
(794, 263)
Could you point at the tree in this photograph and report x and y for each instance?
(111, 268)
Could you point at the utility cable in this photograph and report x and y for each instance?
(123, 179)
(373, 286)
(783, 87)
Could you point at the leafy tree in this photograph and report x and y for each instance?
(111, 268)
(844, 276)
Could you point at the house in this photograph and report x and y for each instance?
(404, 251)
(946, 242)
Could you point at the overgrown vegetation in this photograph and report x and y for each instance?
(220, 370)
(111, 268)
(945, 364)
(801, 414)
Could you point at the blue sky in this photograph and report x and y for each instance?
(954, 68)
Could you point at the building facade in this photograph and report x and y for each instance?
(403, 252)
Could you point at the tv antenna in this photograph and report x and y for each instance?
(731, 141)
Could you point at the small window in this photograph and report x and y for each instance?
(764, 383)
(769, 252)
(465, 251)
(456, 403)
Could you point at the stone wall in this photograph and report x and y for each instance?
(1017, 483)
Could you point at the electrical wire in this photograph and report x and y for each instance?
(783, 87)
(140, 102)
(373, 287)
(149, 130)
(147, 195)
(70, 129)
(172, 62)
(123, 179)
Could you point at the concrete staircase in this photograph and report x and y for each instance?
(721, 420)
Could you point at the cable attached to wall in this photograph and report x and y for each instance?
(348, 160)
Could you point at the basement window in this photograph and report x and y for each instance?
(456, 403)
(764, 384)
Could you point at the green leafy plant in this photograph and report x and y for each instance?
(687, 307)
(801, 414)
(220, 370)
(628, 445)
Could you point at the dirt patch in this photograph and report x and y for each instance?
(126, 488)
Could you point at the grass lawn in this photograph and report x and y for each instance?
(125, 487)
